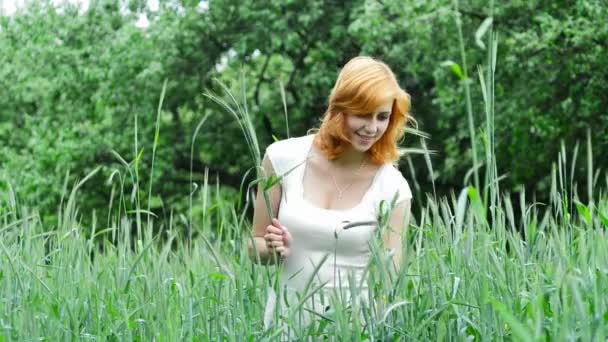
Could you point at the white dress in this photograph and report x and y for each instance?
(320, 243)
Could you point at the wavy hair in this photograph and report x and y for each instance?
(363, 85)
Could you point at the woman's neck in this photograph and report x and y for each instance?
(351, 158)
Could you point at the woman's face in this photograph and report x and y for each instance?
(365, 130)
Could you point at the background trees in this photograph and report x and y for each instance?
(76, 82)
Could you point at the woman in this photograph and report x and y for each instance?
(333, 183)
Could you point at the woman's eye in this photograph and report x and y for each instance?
(383, 118)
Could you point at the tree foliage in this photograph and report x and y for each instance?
(77, 83)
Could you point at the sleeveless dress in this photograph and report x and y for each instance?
(324, 255)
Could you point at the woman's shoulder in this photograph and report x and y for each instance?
(284, 154)
(393, 183)
(389, 173)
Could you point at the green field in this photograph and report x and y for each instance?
(121, 216)
(543, 278)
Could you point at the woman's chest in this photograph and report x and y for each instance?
(327, 188)
(313, 229)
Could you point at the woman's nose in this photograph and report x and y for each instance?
(371, 127)
(369, 131)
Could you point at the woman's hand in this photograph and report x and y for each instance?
(278, 238)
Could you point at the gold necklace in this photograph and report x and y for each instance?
(341, 191)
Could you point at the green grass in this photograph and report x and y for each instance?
(475, 265)
(537, 273)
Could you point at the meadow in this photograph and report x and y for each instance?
(475, 267)
(534, 272)
(479, 264)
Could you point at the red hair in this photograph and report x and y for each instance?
(363, 85)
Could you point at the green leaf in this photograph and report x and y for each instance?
(141, 152)
(461, 209)
(521, 331)
(583, 210)
(481, 31)
(217, 275)
(271, 181)
(141, 211)
(604, 219)
(455, 68)
(476, 204)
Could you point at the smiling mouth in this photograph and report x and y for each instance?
(364, 136)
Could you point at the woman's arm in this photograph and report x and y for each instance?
(399, 220)
(261, 221)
